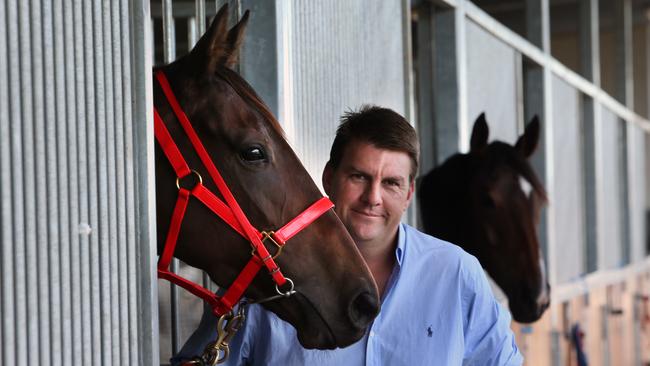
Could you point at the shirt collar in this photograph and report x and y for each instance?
(401, 239)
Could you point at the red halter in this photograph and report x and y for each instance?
(230, 212)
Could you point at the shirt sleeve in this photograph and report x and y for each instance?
(486, 324)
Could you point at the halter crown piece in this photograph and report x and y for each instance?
(229, 211)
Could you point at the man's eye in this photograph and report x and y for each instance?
(392, 183)
(253, 154)
(357, 176)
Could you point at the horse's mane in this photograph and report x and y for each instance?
(247, 93)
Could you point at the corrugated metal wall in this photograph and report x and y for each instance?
(77, 260)
(342, 54)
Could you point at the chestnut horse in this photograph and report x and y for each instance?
(488, 202)
(335, 296)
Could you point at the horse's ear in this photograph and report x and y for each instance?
(234, 40)
(527, 143)
(212, 41)
(218, 46)
(480, 134)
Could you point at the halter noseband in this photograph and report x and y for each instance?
(229, 211)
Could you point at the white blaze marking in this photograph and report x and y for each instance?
(525, 186)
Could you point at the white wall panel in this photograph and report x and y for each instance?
(637, 192)
(569, 191)
(71, 128)
(609, 208)
(492, 83)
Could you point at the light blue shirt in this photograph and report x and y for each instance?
(438, 309)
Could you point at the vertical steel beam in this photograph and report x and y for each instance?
(589, 39)
(7, 259)
(446, 82)
(50, 215)
(169, 46)
(263, 55)
(425, 83)
(142, 253)
(199, 9)
(169, 31)
(623, 54)
(63, 44)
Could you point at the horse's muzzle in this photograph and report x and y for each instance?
(363, 309)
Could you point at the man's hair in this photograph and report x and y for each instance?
(380, 127)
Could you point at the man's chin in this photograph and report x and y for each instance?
(364, 234)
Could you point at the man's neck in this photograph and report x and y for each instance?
(380, 258)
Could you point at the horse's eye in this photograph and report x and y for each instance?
(253, 154)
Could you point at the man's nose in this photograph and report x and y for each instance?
(372, 194)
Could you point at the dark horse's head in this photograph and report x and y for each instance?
(488, 202)
(336, 296)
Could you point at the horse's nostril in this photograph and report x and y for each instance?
(363, 309)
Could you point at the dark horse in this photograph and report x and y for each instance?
(336, 297)
(488, 202)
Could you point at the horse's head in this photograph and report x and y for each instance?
(506, 198)
(336, 297)
(488, 202)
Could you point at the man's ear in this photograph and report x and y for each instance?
(327, 178)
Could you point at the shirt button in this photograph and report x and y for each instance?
(372, 333)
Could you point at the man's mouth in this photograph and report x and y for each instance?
(367, 213)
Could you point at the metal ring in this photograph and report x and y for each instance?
(178, 179)
(289, 292)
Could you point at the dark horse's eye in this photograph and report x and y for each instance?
(253, 154)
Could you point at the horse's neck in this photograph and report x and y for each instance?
(444, 192)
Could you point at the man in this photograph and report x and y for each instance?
(437, 306)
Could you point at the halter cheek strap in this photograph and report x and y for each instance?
(229, 211)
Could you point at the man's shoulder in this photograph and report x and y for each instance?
(424, 245)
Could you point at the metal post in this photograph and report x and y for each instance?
(199, 9)
(624, 61)
(589, 34)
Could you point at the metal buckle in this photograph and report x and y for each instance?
(280, 294)
(269, 235)
(178, 179)
(227, 326)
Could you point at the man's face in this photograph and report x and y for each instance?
(371, 189)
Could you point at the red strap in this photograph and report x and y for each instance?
(303, 220)
(169, 147)
(174, 229)
(218, 180)
(217, 307)
(244, 279)
(217, 206)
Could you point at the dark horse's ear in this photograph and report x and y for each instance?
(480, 134)
(219, 47)
(527, 143)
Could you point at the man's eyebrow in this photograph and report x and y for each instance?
(353, 169)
